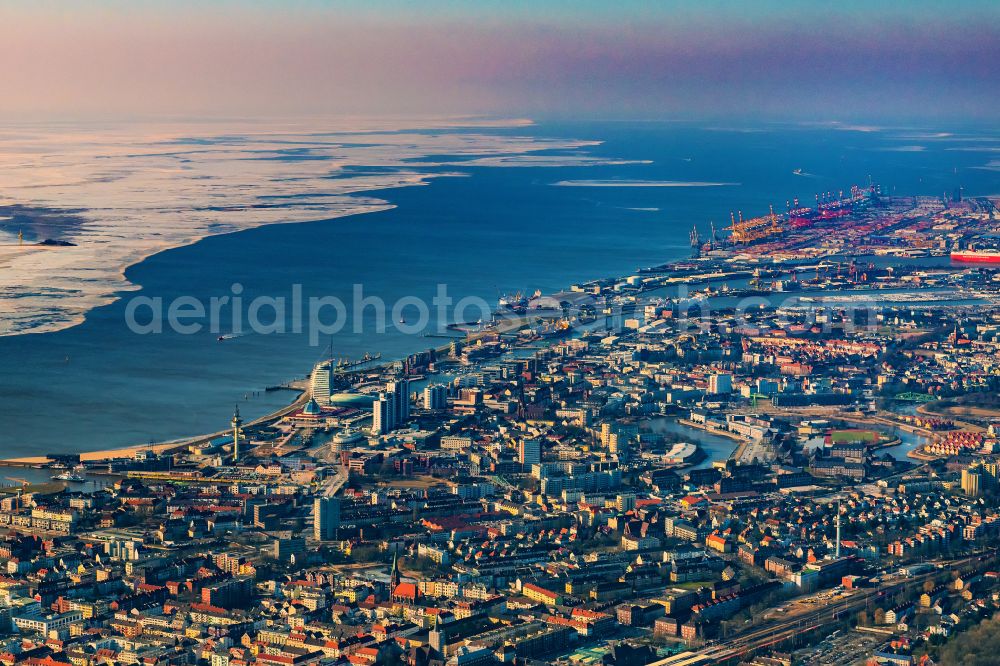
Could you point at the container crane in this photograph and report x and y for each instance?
(755, 228)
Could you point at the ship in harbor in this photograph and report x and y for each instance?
(991, 256)
(69, 476)
(516, 302)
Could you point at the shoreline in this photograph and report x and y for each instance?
(359, 198)
(916, 454)
(300, 387)
(92, 456)
(721, 433)
(302, 396)
(130, 451)
(699, 456)
(925, 410)
(364, 197)
(117, 290)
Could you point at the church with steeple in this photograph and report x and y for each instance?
(400, 592)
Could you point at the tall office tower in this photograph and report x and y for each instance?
(435, 396)
(720, 383)
(529, 452)
(319, 383)
(971, 481)
(400, 390)
(383, 414)
(326, 518)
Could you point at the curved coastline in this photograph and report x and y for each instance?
(139, 193)
(327, 228)
(161, 447)
(128, 286)
(183, 407)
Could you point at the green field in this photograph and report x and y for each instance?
(693, 584)
(843, 436)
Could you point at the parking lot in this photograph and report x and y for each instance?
(840, 649)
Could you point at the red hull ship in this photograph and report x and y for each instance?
(977, 256)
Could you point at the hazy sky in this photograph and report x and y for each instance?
(754, 58)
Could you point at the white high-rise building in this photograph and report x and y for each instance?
(383, 414)
(400, 392)
(319, 383)
(326, 518)
(435, 396)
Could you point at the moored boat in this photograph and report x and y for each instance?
(977, 256)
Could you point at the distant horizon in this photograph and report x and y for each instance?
(771, 61)
(441, 121)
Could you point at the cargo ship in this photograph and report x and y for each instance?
(976, 256)
(515, 302)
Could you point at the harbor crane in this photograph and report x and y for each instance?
(753, 229)
(20, 491)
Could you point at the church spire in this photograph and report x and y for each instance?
(394, 574)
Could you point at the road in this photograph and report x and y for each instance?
(332, 485)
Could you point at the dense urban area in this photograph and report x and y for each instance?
(783, 450)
